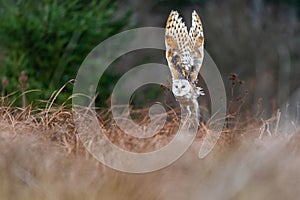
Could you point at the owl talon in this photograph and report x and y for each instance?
(199, 91)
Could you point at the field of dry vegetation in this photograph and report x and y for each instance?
(41, 157)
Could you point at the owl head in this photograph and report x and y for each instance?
(181, 87)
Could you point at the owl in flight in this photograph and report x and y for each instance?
(184, 53)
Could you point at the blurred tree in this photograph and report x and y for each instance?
(50, 38)
(177, 4)
(295, 3)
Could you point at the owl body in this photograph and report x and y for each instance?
(184, 53)
(186, 94)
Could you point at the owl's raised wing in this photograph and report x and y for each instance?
(196, 38)
(184, 51)
(177, 45)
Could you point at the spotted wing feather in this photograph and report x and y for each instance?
(177, 45)
(196, 39)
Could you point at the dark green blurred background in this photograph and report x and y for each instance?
(259, 40)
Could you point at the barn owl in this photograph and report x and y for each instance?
(184, 53)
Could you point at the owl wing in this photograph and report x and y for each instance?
(177, 45)
(196, 39)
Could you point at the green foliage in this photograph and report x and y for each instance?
(50, 38)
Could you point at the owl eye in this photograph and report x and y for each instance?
(176, 86)
(183, 86)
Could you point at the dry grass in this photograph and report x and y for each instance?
(41, 157)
